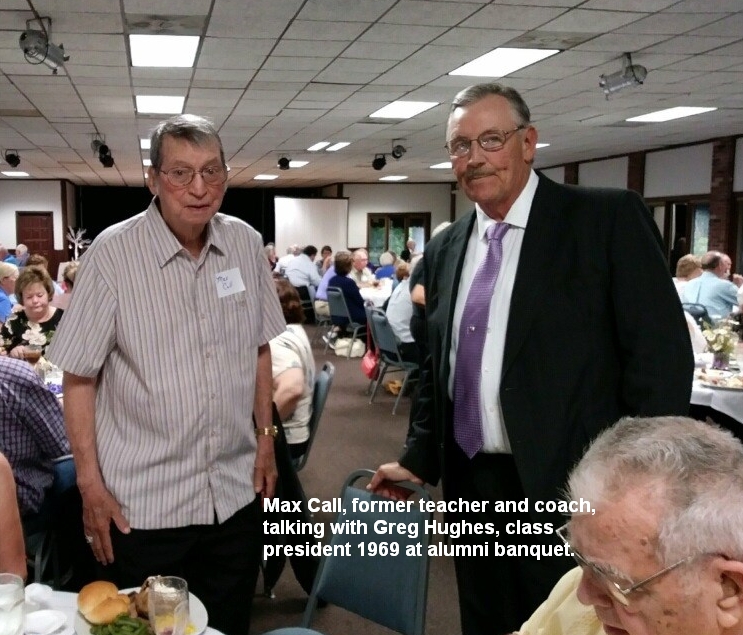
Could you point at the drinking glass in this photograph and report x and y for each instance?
(32, 353)
(168, 605)
(11, 604)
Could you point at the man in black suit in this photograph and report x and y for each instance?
(584, 327)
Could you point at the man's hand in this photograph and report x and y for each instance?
(384, 479)
(99, 509)
(265, 473)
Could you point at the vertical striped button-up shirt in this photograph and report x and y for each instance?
(174, 343)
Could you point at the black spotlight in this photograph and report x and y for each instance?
(379, 162)
(13, 159)
(397, 151)
(283, 163)
(104, 156)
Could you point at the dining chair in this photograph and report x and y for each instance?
(390, 358)
(339, 309)
(42, 544)
(305, 299)
(390, 589)
(323, 382)
(698, 312)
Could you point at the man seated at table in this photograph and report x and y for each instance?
(360, 272)
(302, 271)
(712, 289)
(12, 549)
(661, 552)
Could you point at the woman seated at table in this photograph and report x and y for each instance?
(293, 368)
(349, 289)
(8, 276)
(12, 549)
(36, 322)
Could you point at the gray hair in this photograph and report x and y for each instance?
(7, 269)
(696, 467)
(198, 131)
(475, 93)
(386, 259)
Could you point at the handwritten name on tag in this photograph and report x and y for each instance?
(229, 282)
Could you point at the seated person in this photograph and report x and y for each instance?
(68, 278)
(355, 303)
(386, 266)
(8, 276)
(37, 321)
(661, 551)
(37, 260)
(321, 295)
(325, 260)
(360, 272)
(12, 549)
(399, 311)
(687, 268)
(302, 271)
(293, 371)
(32, 431)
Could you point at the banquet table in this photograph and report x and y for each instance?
(378, 295)
(67, 603)
(729, 402)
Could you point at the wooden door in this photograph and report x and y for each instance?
(36, 231)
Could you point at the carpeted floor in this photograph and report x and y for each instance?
(353, 434)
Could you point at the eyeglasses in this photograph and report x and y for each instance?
(490, 141)
(619, 592)
(181, 177)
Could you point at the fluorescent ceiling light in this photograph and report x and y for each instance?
(297, 164)
(670, 113)
(403, 109)
(265, 177)
(146, 162)
(16, 173)
(542, 145)
(503, 61)
(338, 146)
(318, 146)
(393, 178)
(160, 104)
(172, 51)
(446, 165)
(144, 144)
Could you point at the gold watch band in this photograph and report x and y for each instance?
(271, 431)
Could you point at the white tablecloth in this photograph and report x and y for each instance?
(377, 295)
(67, 603)
(729, 402)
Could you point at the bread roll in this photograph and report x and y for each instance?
(100, 602)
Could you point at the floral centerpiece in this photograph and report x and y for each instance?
(721, 342)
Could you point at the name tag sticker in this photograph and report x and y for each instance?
(229, 282)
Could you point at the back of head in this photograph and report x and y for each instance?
(696, 468)
(20, 249)
(291, 305)
(69, 273)
(386, 259)
(439, 228)
(196, 130)
(343, 262)
(37, 260)
(310, 250)
(687, 265)
(711, 260)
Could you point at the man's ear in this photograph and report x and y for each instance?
(152, 181)
(730, 602)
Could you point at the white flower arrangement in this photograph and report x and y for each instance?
(720, 339)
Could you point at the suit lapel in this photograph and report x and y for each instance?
(531, 286)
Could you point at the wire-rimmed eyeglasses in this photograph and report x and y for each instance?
(618, 591)
(490, 141)
(181, 177)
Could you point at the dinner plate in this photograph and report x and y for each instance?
(196, 608)
(721, 387)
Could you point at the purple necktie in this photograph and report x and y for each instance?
(472, 330)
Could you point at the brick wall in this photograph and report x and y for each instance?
(722, 223)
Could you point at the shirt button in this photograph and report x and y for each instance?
(207, 354)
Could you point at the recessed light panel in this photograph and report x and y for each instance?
(169, 51)
(446, 165)
(670, 113)
(318, 146)
(393, 178)
(503, 61)
(15, 174)
(297, 164)
(159, 104)
(542, 145)
(338, 146)
(265, 177)
(144, 144)
(403, 109)
(146, 162)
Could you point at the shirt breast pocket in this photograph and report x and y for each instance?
(239, 322)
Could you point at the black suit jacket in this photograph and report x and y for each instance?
(595, 332)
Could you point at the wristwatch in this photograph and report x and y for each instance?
(271, 431)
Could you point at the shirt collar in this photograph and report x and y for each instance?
(518, 215)
(166, 246)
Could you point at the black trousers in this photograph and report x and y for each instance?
(220, 563)
(497, 593)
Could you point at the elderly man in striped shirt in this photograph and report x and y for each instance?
(167, 380)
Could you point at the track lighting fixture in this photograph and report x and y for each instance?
(36, 47)
(397, 151)
(12, 158)
(630, 75)
(283, 163)
(379, 161)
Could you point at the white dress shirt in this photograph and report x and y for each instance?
(495, 438)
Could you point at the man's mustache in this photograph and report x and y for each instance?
(478, 173)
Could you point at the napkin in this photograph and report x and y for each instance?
(43, 622)
(38, 596)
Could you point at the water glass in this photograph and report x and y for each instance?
(11, 604)
(168, 605)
